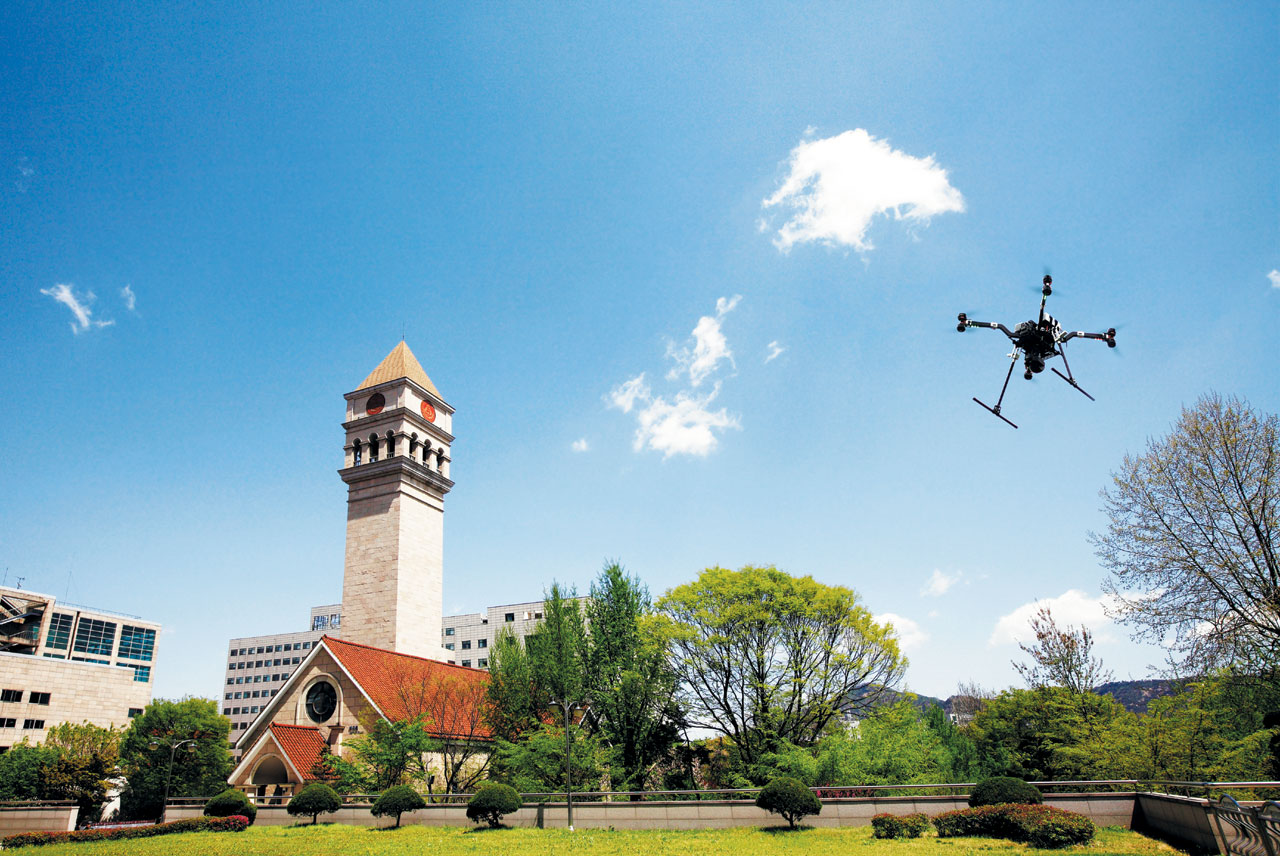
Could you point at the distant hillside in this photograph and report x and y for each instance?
(1136, 695)
(923, 702)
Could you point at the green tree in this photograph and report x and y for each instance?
(535, 764)
(21, 771)
(893, 744)
(314, 800)
(514, 702)
(763, 657)
(396, 801)
(1053, 733)
(1192, 542)
(385, 755)
(88, 758)
(628, 677)
(1213, 730)
(557, 649)
(199, 769)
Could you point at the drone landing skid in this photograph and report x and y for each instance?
(995, 411)
(1071, 381)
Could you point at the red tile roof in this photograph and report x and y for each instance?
(302, 744)
(452, 698)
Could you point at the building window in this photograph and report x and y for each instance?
(279, 648)
(537, 616)
(141, 674)
(297, 660)
(466, 644)
(8, 722)
(33, 724)
(38, 698)
(10, 695)
(226, 711)
(320, 622)
(239, 695)
(482, 663)
(239, 680)
(95, 637)
(241, 652)
(137, 643)
(483, 643)
(59, 631)
(448, 646)
(448, 631)
(335, 620)
(231, 681)
(306, 645)
(288, 646)
(235, 711)
(257, 664)
(510, 616)
(228, 697)
(134, 712)
(276, 661)
(466, 663)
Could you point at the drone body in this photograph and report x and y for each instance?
(1037, 342)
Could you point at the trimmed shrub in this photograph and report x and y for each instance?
(886, 825)
(491, 801)
(397, 801)
(1039, 825)
(234, 823)
(789, 798)
(231, 802)
(999, 790)
(315, 799)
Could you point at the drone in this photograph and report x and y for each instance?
(1036, 342)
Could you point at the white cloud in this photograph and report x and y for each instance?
(910, 634)
(939, 583)
(709, 346)
(625, 395)
(1274, 277)
(1072, 607)
(130, 299)
(838, 185)
(685, 424)
(80, 307)
(775, 350)
(581, 445)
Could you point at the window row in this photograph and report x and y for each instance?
(267, 649)
(254, 694)
(259, 679)
(235, 711)
(263, 664)
(14, 696)
(27, 724)
(482, 663)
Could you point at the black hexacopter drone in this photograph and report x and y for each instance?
(1039, 341)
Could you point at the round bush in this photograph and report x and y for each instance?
(229, 803)
(491, 801)
(397, 801)
(315, 799)
(1004, 789)
(789, 798)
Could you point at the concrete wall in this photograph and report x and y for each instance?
(1183, 820)
(26, 817)
(1104, 809)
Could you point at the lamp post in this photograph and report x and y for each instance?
(569, 707)
(173, 748)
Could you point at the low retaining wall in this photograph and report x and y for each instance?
(1183, 820)
(37, 817)
(1105, 809)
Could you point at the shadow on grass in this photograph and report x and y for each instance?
(784, 830)
(488, 828)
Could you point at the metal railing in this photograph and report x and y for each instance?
(827, 792)
(1246, 830)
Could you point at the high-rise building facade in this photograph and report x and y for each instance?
(61, 662)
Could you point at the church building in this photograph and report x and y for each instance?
(390, 661)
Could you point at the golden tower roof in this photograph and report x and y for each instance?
(400, 363)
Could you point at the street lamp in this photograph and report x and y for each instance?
(173, 747)
(569, 707)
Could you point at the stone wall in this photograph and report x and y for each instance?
(1182, 820)
(1104, 809)
(28, 817)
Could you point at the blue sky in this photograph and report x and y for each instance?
(546, 201)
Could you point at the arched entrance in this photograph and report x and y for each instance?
(270, 777)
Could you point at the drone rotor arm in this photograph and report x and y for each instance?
(1109, 337)
(968, 322)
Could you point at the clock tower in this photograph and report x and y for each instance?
(397, 474)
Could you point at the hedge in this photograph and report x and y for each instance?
(886, 825)
(1004, 789)
(1038, 825)
(234, 823)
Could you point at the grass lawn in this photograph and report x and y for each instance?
(334, 840)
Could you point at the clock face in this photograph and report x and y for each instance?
(322, 701)
(375, 404)
(428, 412)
